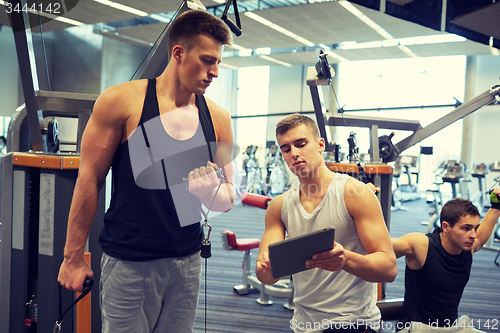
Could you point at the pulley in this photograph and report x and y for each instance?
(52, 136)
(388, 152)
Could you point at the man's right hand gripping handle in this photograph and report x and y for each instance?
(73, 273)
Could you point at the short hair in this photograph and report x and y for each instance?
(188, 26)
(294, 120)
(454, 209)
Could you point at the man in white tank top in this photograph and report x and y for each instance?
(338, 292)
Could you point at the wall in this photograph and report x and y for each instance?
(222, 90)
(76, 60)
(486, 120)
(9, 73)
(288, 93)
(119, 62)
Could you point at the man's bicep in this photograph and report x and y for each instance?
(227, 150)
(365, 209)
(100, 139)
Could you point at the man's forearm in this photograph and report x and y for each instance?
(487, 225)
(81, 217)
(223, 200)
(373, 267)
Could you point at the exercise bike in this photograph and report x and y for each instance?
(277, 174)
(479, 171)
(253, 171)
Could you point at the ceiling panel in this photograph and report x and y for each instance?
(468, 48)
(153, 6)
(160, 6)
(372, 54)
(86, 11)
(90, 12)
(326, 22)
(247, 61)
(485, 20)
(148, 33)
(298, 58)
(398, 28)
(256, 35)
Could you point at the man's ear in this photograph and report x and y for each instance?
(321, 143)
(177, 52)
(445, 226)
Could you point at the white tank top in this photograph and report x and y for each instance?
(323, 297)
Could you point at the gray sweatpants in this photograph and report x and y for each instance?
(149, 296)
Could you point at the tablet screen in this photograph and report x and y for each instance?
(289, 256)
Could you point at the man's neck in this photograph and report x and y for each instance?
(170, 92)
(317, 182)
(448, 246)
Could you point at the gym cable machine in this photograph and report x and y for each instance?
(37, 173)
(382, 150)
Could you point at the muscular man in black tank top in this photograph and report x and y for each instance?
(151, 245)
(438, 264)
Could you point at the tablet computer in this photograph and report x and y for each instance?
(289, 256)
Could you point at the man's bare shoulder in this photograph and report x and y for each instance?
(276, 204)
(217, 112)
(273, 211)
(221, 120)
(416, 237)
(354, 186)
(414, 246)
(121, 103)
(125, 92)
(417, 241)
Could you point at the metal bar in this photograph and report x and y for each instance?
(278, 114)
(27, 67)
(460, 112)
(320, 116)
(368, 122)
(374, 145)
(6, 235)
(64, 102)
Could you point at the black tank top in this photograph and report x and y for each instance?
(433, 293)
(150, 197)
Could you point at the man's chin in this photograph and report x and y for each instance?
(467, 247)
(301, 171)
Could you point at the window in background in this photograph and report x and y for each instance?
(394, 83)
(252, 99)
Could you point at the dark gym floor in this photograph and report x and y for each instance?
(227, 312)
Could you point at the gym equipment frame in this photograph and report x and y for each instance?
(381, 148)
(382, 145)
(35, 176)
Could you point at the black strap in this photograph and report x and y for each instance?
(150, 107)
(87, 284)
(206, 123)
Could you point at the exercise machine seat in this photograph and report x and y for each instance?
(242, 244)
(390, 309)
(255, 200)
